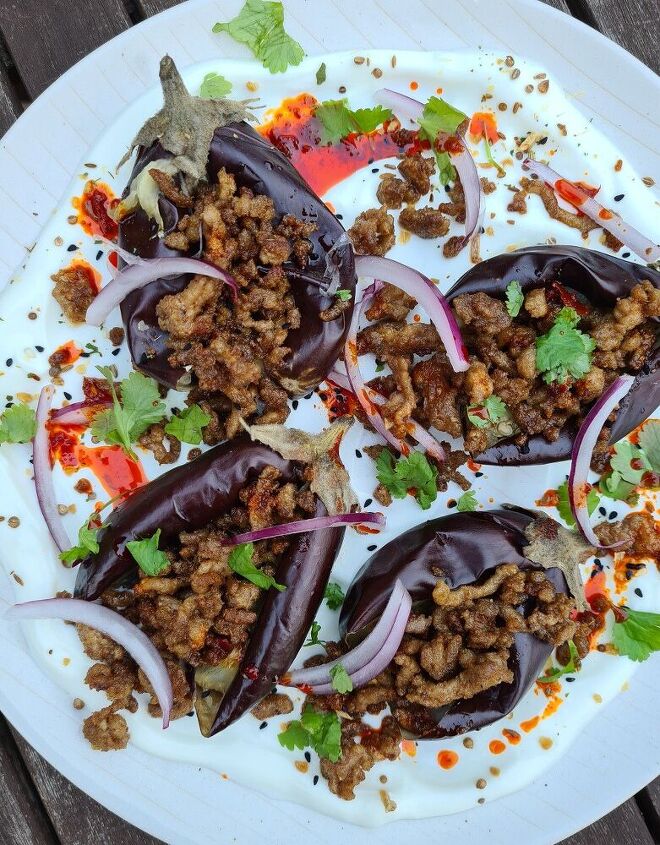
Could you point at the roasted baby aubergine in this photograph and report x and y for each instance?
(190, 497)
(459, 548)
(592, 277)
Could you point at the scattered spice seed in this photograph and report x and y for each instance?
(308, 757)
(598, 698)
(494, 771)
(251, 86)
(482, 783)
(358, 453)
(639, 593)
(377, 72)
(342, 89)
(78, 703)
(481, 801)
(13, 522)
(383, 778)
(32, 315)
(468, 742)
(515, 73)
(509, 61)
(648, 181)
(540, 76)
(71, 248)
(18, 579)
(315, 780)
(545, 742)
(359, 60)
(367, 502)
(393, 61)
(619, 197)
(544, 86)
(516, 107)
(263, 725)
(529, 89)
(372, 548)
(502, 106)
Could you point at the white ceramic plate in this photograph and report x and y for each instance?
(148, 798)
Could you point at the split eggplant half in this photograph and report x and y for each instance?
(594, 278)
(460, 549)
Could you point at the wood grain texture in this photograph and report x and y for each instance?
(76, 818)
(23, 820)
(10, 107)
(152, 7)
(634, 24)
(648, 801)
(46, 37)
(562, 5)
(623, 826)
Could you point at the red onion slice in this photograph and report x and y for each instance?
(78, 413)
(648, 251)
(110, 623)
(300, 526)
(364, 653)
(139, 274)
(422, 290)
(465, 165)
(383, 656)
(43, 475)
(417, 432)
(583, 447)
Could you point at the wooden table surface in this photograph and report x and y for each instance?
(39, 40)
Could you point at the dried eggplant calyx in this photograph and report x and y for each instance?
(185, 125)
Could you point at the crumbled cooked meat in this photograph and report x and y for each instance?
(536, 304)
(639, 531)
(99, 647)
(358, 757)
(116, 336)
(390, 303)
(73, 292)
(116, 679)
(536, 186)
(275, 704)
(417, 171)
(155, 438)
(373, 232)
(394, 192)
(234, 347)
(106, 730)
(438, 396)
(487, 314)
(169, 188)
(182, 694)
(424, 222)
(390, 338)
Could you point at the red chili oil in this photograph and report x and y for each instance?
(93, 207)
(558, 293)
(85, 269)
(294, 130)
(484, 125)
(67, 353)
(550, 499)
(338, 402)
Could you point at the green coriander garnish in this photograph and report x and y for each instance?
(214, 87)
(514, 298)
(334, 596)
(340, 679)
(467, 502)
(564, 351)
(320, 731)
(240, 562)
(187, 426)
(638, 635)
(18, 424)
(402, 475)
(151, 560)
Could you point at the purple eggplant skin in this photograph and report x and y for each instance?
(598, 278)
(258, 165)
(183, 499)
(284, 621)
(460, 548)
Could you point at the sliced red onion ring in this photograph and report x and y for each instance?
(358, 387)
(384, 640)
(78, 413)
(465, 165)
(43, 475)
(417, 432)
(648, 251)
(583, 447)
(300, 526)
(110, 623)
(422, 290)
(140, 274)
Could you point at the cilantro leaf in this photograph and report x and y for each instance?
(564, 504)
(564, 350)
(294, 736)
(320, 731)
(411, 473)
(343, 295)
(187, 426)
(214, 87)
(334, 596)
(338, 120)
(446, 170)
(321, 74)
(340, 679)
(649, 441)
(614, 487)
(151, 560)
(139, 408)
(439, 117)
(467, 502)
(514, 298)
(493, 411)
(87, 544)
(638, 636)
(240, 562)
(314, 632)
(18, 424)
(629, 461)
(260, 26)
(570, 668)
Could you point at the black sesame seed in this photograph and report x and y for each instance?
(639, 593)
(598, 562)
(339, 216)
(602, 511)
(371, 548)
(543, 140)
(192, 713)
(308, 757)
(478, 474)
(294, 404)
(358, 453)
(9, 362)
(367, 502)
(263, 725)
(524, 449)
(625, 255)
(374, 169)
(116, 351)
(323, 396)
(39, 348)
(613, 515)
(371, 161)
(619, 197)
(316, 780)
(570, 680)
(71, 248)
(67, 396)
(99, 255)
(308, 395)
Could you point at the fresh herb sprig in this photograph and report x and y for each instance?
(240, 561)
(564, 351)
(570, 668)
(638, 635)
(319, 731)
(18, 424)
(338, 120)
(412, 474)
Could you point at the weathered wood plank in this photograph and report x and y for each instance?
(562, 5)
(648, 801)
(634, 24)
(77, 818)
(23, 821)
(152, 7)
(45, 38)
(623, 826)
(10, 107)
